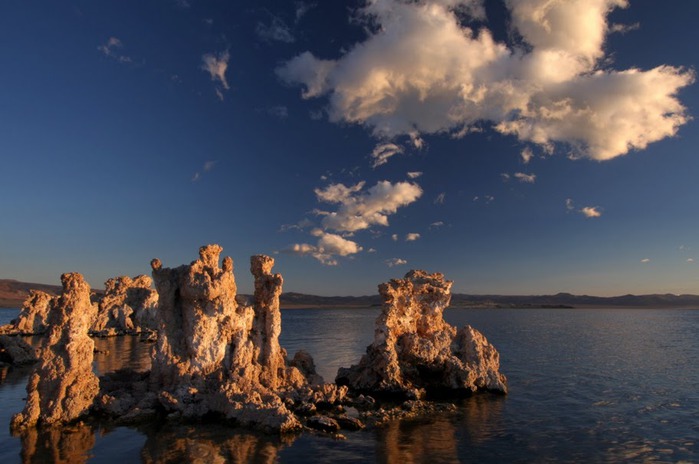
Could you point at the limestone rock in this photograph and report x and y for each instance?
(62, 387)
(416, 351)
(15, 351)
(217, 356)
(32, 319)
(128, 306)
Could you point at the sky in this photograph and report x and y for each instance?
(517, 146)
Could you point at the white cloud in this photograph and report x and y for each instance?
(526, 178)
(359, 210)
(624, 28)
(569, 204)
(423, 71)
(111, 48)
(328, 246)
(690, 260)
(439, 200)
(395, 262)
(505, 177)
(383, 151)
(437, 224)
(412, 236)
(276, 31)
(394, 237)
(217, 65)
(645, 260)
(591, 211)
(414, 174)
(527, 154)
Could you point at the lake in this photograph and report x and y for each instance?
(592, 385)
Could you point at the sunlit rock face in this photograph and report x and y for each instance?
(32, 319)
(128, 306)
(63, 386)
(416, 352)
(216, 356)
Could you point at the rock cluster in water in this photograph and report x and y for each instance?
(218, 358)
(127, 307)
(416, 352)
(63, 387)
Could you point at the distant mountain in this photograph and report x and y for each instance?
(13, 293)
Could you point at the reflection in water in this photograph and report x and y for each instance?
(210, 444)
(127, 351)
(439, 438)
(57, 444)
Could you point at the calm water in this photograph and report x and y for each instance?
(585, 386)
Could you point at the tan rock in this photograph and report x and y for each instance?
(32, 319)
(15, 351)
(62, 387)
(416, 351)
(128, 306)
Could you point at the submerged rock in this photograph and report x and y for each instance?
(416, 352)
(63, 386)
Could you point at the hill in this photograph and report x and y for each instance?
(13, 293)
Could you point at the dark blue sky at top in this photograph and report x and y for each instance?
(111, 160)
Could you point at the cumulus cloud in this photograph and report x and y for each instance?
(591, 211)
(526, 178)
(412, 236)
(422, 70)
(111, 49)
(328, 246)
(395, 262)
(217, 65)
(383, 151)
(359, 209)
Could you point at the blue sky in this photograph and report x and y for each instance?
(519, 146)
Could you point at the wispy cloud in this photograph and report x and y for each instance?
(690, 260)
(111, 49)
(302, 8)
(436, 224)
(440, 199)
(527, 154)
(395, 262)
(414, 174)
(645, 260)
(569, 204)
(275, 31)
(383, 151)
(591, 211)
(425, 70)
(217, 65)
(206, 167)
(394, 237)
(624, 28)
(412, 236)
(526, 178)
(280, 111)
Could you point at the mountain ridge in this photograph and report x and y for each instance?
(13, 293)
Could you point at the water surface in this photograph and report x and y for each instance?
(605, 385)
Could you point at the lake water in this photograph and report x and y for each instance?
(602, 385)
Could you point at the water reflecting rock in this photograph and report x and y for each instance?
(64, 445)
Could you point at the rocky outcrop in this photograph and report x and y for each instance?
(128, 306)
(216, 356)
(62, 387)
(416, 352)
(33, 318)
(16, 352)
